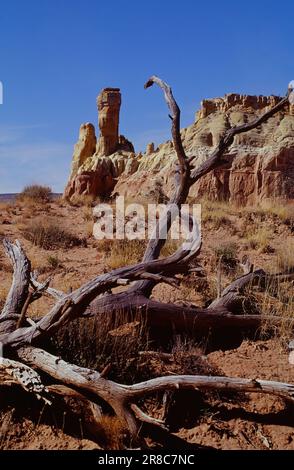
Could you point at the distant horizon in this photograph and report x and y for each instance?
(51, 75)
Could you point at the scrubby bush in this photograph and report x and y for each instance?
(48, 234)
(36, 193)
(227, 252)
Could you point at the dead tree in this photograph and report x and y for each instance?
(21, 337)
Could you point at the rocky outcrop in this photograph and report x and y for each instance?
(236, 101)
(96, 165)
(259, 164)
(108, 103)
(84, 148)
(150, 148)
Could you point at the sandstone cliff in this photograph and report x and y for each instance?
(262, 167)
(263, 163)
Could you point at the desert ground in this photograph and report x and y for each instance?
(70, 255)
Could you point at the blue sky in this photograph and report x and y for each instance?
(56, 55)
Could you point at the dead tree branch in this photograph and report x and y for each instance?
(19, 288)
(122, 398)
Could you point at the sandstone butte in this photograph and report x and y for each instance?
(262, 167)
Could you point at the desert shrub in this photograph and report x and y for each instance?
(48, 234)
(36, 193)
(227, 252)
(53, 261)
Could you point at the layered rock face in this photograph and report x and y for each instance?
(96, 165)
(259, 165)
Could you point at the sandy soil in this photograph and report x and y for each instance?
(248, 422)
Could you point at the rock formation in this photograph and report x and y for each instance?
(108, 103)
(150, 148)
(84, 148)
(96, 165)
(263, 163)
(262, 167)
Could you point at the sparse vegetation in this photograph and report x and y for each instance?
(87, 213)
(53, 261)
(48, 234)
(227, 253)
(284, 213)
(285, 256)
(80, 200)
(122, 252)
(36, 193)
(104, 340)
(259, 239)
(170, 247)
(215, 213)
(112, 433)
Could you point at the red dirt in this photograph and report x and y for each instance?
(253, 422)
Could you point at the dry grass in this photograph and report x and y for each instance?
(285, 256)
(36, 193)
(259, 239)
(103, 340)
(122, 252)
(5, 427)
(3, 295)
(217, 214)
(48, 234)
(278, 300)
(79, 200)
(6, 207)
(283, 213)
(87, 213)
(112, 433)
(170, 247)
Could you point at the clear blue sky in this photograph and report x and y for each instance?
(56, 55)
